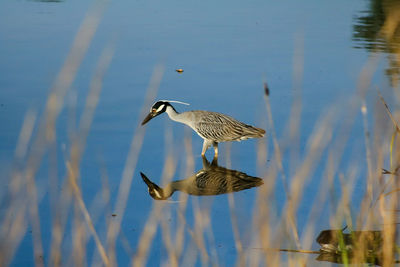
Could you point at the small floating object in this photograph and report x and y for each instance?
(179, 70)
(266, 89)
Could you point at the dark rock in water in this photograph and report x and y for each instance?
(335, 241)
(356, 246)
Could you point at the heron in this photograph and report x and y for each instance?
(213, 127)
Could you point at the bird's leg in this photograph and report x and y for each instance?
(206, 164)
(215, 145)
(206, 145)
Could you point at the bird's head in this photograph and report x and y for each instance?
(155, 191)
(156, 109)
(160, 107)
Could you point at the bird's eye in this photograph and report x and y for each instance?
(153, 110)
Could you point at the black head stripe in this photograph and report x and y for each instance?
(158, 104)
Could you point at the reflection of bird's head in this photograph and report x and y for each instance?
(155, 191)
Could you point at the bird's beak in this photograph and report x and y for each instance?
(148, 117)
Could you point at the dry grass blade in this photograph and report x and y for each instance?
(389, 113)
(278, 157)
(79, 144)
(234, 221)
(46, 129)
(139, 259)
(13, 222)
(25, 135)
(368, 152)
(127, 175)
(277, 150)
(82, 207)
(281, 207)
(73, 165)
(295, 250)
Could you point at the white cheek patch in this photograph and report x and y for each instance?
(157, 193)
(160, 108)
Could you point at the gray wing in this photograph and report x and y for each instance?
(219, 128)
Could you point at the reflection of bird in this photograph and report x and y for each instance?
(213, 127)
(211, 180)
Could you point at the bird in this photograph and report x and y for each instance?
(213, 127)
(211, 180)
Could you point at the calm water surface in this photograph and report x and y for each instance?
(227, 49)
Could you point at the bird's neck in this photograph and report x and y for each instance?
(169, 189)
(173, 114)
(179, 185)
(165, 193)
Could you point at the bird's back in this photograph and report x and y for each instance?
(219, 127)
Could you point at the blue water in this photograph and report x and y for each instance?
(226, 48)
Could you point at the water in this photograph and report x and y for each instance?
(226, 49)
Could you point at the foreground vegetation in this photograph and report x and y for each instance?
(370, 234)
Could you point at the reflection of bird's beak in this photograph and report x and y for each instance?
(149, 183)
(154, 190)
(148, 117)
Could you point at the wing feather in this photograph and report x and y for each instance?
(219, 128)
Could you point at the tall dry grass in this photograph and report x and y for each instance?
(276, 239)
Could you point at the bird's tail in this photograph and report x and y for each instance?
(254, 132)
